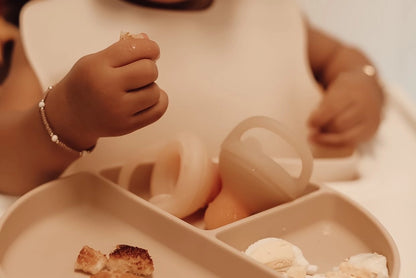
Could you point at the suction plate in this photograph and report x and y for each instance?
(42, 233)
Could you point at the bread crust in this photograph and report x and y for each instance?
(90, 260)
(130, 259)
(128, 35)
(111, 274)
(123, 262)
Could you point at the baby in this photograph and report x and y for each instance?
(237, 59)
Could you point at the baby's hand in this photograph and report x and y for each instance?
(108, 93)
(349, 112)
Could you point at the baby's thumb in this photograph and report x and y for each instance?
(143, 36)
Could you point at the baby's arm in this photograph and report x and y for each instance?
(21, 88)
(8, 32)
(108, 93)
(350, 110)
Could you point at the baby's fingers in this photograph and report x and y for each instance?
(141, 99)
(151, 114)
(346, 120)
(130, 50)
(350, 137)
(333, 103)
(138, 74)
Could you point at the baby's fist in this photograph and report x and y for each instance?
(109, 93)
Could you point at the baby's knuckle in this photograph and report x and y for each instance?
(86, 62)
(150, 70)
(153, 93)
(93, 74)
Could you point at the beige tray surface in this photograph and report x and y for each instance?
(42, 233)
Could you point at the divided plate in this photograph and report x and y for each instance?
(42, 233)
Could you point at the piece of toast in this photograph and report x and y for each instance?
(111, 274)
(128, 35)
(124, 262)
(130, 259)
(90, 261)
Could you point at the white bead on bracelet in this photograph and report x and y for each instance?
(369, 70)
(54, 137)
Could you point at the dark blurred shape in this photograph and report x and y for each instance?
(10, 10)
(185, 5)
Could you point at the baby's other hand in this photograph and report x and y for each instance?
(109, 93)
(350, 111)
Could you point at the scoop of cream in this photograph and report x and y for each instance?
(364, 265)
(282, 256)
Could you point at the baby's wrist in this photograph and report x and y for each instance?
(60, 129)
(369, 72)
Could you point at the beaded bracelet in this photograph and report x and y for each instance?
(54, 137)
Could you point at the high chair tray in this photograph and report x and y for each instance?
(42, 233)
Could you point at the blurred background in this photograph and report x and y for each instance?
(384, 29)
